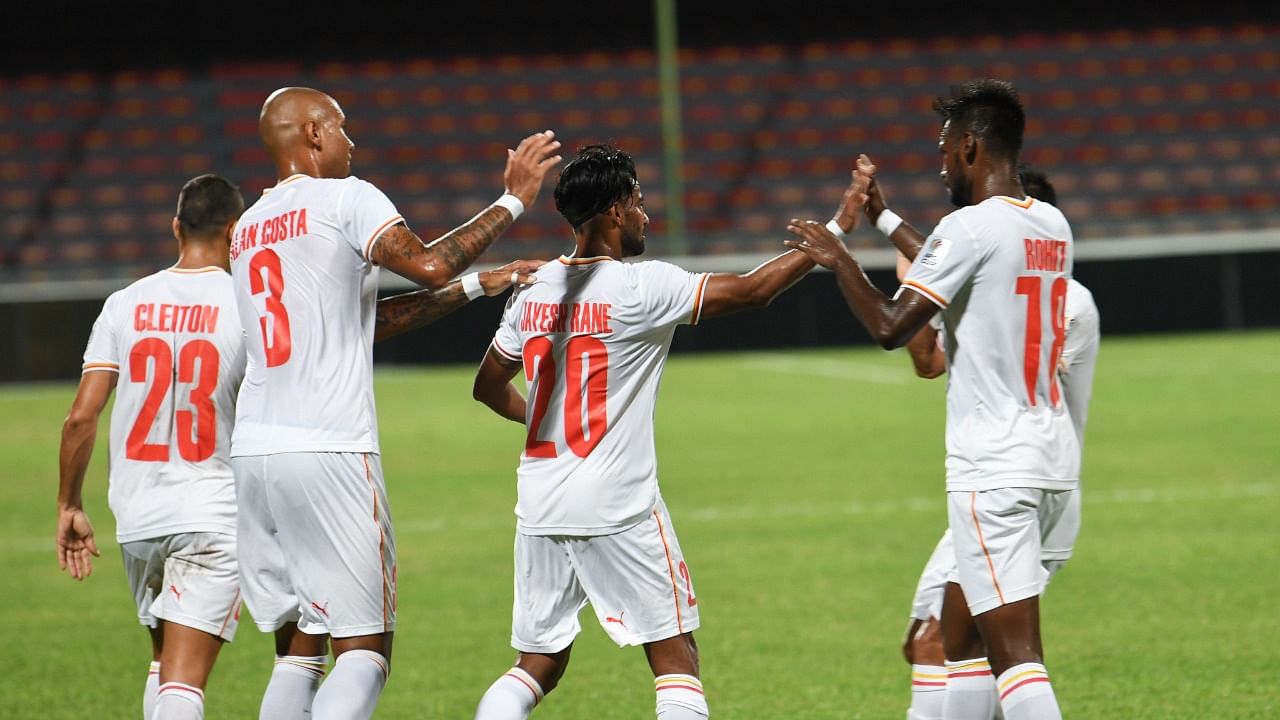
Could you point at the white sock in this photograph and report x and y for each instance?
(151, 690)
(177, 701)
(928, 691)
(680, 698)
(292, 688)
(971, 691)
(510, 697)
(1027, 694)
(353, 687)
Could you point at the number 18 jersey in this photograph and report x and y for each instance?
(593, 336)
(999, 271)
(174, 340)
(306, 290)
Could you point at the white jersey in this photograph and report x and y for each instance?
(307, 290)
(593, 335)
(175, 341)
(999, 270)
(1079, 355)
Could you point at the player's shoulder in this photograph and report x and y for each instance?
(645, 269)
(1080, 299)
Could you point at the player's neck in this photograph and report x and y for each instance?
(598, 246)
(287, 167)
(1000, 180)
(199, 255)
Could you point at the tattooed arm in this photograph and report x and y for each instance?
(401, 313)
(432, 265)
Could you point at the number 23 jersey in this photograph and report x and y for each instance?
(174, 340)
(593, 336)
(306, 291)
(999, 271)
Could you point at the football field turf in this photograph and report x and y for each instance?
(806, 487)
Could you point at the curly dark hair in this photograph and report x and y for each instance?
(990, 109)
(598, 177)
(207, 203)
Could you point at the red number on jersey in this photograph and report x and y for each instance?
(585, 357)
(1030, 285)
(279, 345)
(197, 432)
(136, 446)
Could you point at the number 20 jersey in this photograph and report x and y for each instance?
(593, 335)
(306, 291)
(174, 339)
(999, 270)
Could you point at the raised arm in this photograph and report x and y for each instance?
(901, 233)
(76, 545)
(434, 264)
(401, 313)
(493, 386)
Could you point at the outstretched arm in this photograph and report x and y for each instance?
(401, 313)
(432, 265)
(891, 322)
(904, 237)
(76, 546)
(493, 386)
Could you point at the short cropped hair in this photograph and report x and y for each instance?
(598, 177)
(990, 109)
(1037, 185)
(207, 203)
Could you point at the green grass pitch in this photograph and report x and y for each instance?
(807, 491)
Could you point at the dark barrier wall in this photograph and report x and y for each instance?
(45, 341)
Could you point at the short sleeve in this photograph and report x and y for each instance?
(506, 342)
(102, 352)
(366, 214)
(670, 295)
(1082, 331)
(947, 261)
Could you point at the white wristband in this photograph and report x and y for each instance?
(512, 203)
(835, 229)
(471, 285)
(888, 222)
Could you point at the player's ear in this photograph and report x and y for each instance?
(616, 212)
(969, 148)
(311, 133)
(231, 229)
(177, 229)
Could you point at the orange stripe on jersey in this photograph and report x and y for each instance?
(504, 353)
(286, 181)
(671, 569)
(100, 367)
(233, 611)
(697, 299)
(368, 246)
(584, 261)
(1024, 204)
(195, 271)
(973, 509)
(925, 291)
(382, 543)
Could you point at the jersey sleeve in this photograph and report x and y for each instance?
(947, 261)
(366, 214)
(506, 341)
(102, 353)
(670, 295)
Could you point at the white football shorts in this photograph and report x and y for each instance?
(998, 543)
(1059, 539)
(316, 544)
(636, 581)
(189, 579)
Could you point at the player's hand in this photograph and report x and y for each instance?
(875, 197)
(76, 548)
(854, 201)
(519, 272)
(816, 241)
(528, 164)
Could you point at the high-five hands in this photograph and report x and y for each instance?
(815, 240)
(528, 164)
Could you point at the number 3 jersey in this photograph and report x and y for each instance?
(593, 336)
(999, 271)
(174, 339)
(306, 291)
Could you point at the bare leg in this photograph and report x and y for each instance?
(674, 662)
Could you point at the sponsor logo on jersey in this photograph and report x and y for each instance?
(936, 253)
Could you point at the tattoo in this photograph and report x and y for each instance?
(402, 313)
(403, 252)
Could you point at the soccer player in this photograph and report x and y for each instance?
(315, 534)
(592, 336)
(170, 346)
(922, 646)
(998, 270)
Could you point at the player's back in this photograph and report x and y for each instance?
(176, 340)
(1006, 422)
(306, 292)
(593, 335)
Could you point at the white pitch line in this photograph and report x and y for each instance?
(1113, 496)
(835, 369)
